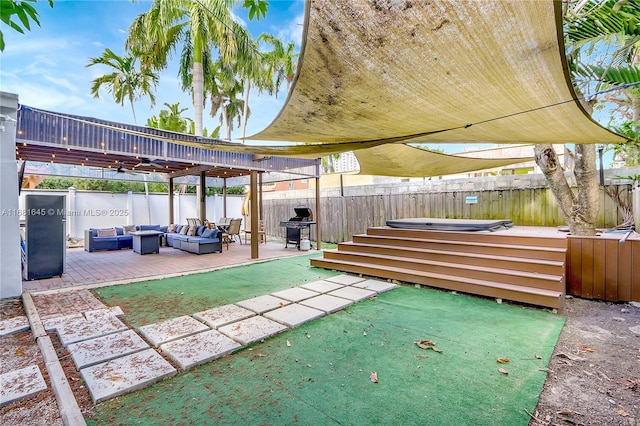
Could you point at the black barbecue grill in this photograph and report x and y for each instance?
(302, 221)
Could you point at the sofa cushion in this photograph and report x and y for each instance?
(128, 228)
(192, 231)
(210, 233)
(172, 228)
(119, 231)
(148, 227)
(108, 232)
(184, 230)
(200, 229)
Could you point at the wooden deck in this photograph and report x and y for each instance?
(527, 268)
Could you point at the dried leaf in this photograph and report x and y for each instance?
(585, 348)
(259, 355)
(503, 371)
(427, 344)
(288, 343)
(281, 304)
(622, 412)
(19, 352)
(503, 360)
(374, 377)
(538, 356)
(115, 377)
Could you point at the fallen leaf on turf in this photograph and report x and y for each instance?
(585, 348)
(19, 352)
(503, 371)
(503, 360)
(374, 377)
(538, 356)
(427, 344)
(622, 412)
(288, 343)
(116, 377)
(260, 355)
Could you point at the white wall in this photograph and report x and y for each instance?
(100, 209)
(10, 254)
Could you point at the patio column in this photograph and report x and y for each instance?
(10, 257)
(317, 216)
(202, 205)
(254, 214)
(171, 200)
(260, 197)
(224, 197)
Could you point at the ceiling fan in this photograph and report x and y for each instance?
(146, 162)
(122, 169)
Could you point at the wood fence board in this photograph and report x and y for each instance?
(611, 270)
(598, 269)
(574, 269)
(634, 266)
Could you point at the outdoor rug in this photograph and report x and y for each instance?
(359, 366)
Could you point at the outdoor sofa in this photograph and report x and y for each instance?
(200, 240)
(114, 238)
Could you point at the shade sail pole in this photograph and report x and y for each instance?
(318, 216)
(253, 194)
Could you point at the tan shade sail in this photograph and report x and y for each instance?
(434, 71)
(406, 161)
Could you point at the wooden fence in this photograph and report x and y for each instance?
(343, 217)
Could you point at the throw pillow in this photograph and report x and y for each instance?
(109, 232)
(210, 233)
(128, 228)
(184, 230)
(192, 231)
(171, 228)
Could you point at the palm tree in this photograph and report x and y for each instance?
(171, 119)
(125, 82)
(197, 28)
(24, 11)
(274, 67)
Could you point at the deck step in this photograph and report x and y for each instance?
(530, 295)
(470, 237)
(506, 276)
(521, 268)
(524, 251)
(542, 266)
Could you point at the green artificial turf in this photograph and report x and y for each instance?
(323, 376)
(153, 301)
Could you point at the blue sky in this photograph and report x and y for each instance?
(46, 67)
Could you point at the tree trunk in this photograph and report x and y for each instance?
(198, 96)
(580, 209)
(245, 110)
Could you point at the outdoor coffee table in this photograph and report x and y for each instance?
(146, 242)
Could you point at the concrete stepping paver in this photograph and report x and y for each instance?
(327, 303)
(51, 324)
(252, 329)
(79, 329)
(262, 304)
(294, 315)
(96, 314)
(322, 286)
(376, 285)
(295, 294)
(345, 279)
(14, 325)
(105, 348)
(126, 374)
(176, 328)
(20, 383)
(199, 348)
(353, 293)
(223, 315)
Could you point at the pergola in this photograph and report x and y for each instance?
(93, 145)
